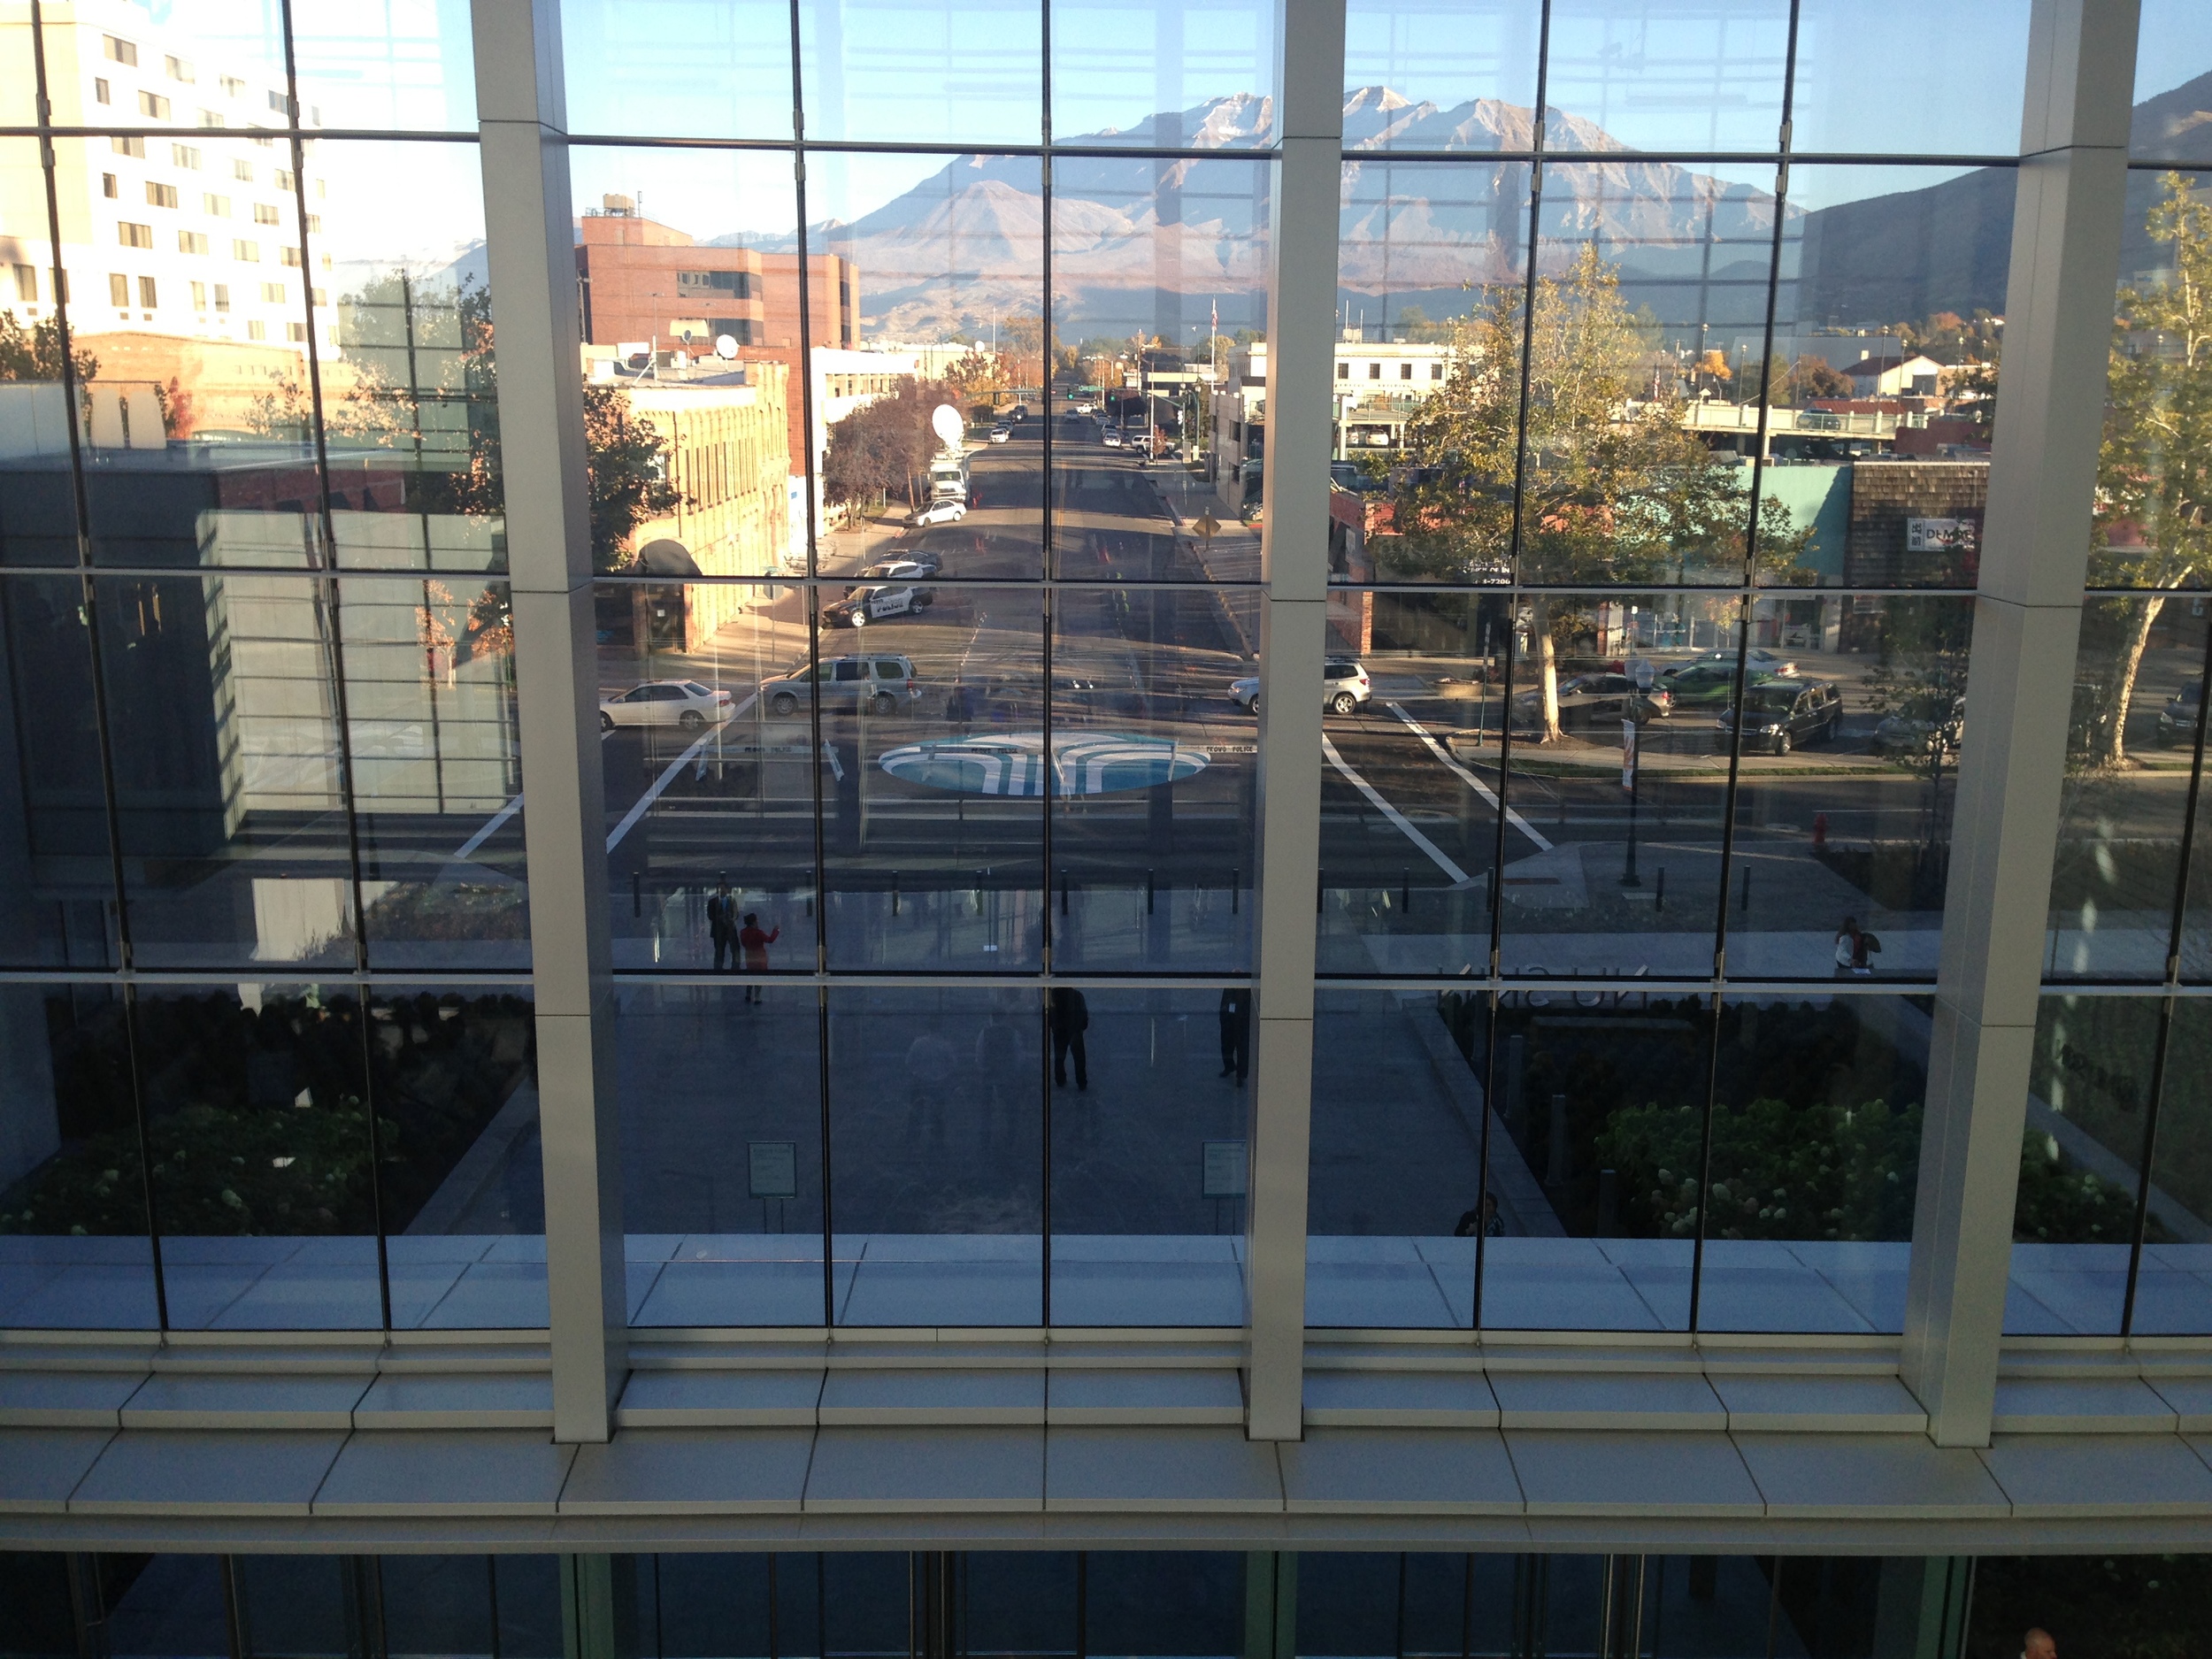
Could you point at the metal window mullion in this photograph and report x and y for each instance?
(2067, 230)
(529, 243)
(1294, 617)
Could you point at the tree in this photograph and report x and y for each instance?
(36, 355)
(880, 446)
(1615, 491)
(2155, 467)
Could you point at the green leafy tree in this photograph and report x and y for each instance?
(35, 354)
(882, 446)
(2155, 467)
(1615, 492)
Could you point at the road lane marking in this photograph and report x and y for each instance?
(1469, 778)
(1460, 878)
(491, 824)
(645, 801)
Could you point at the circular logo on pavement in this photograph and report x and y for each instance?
(1012, 764)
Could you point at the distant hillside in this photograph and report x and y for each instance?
(1155, 244)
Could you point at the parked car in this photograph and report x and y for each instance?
(1903, 733)
(1001, 433)
(684, 703)
(898, 570)
(860, 606)
(2178, 720)
(1780, 714)
(1695, 684)
(1757, 660)
(885, 684)
(1595, 701)
(1345, 687)
(938, 512)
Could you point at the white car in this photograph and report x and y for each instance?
(684, 703)
(899, 571)
(939, 513)
(1110, 438)
(999, 434)
(1345, 687)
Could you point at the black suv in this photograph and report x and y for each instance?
(2178, 720)
(1783, 713)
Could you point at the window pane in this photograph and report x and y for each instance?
(1880, 388)
(38, 513)
(676, 68)
(1153, 838)
(409, 378)
(2156, 446)
(1425, 742)
(1852, 735)
(193, 317)
(438, 1605)
(229, 778)
(1149, 1162)
(1599, 878)
(202, 64)
(2089, 1095)
(2173, 1294)
(1652, 288)
(1815, 1155)
(1395, 1194)
(166, 1606)
(2172, 52)
(709, 785)
(934, 798)
(940, 71)
(1432, 269)
(57, 881)
(264, 1169)
(398, 64)
(1164, 73)
(437, 776)
(1933, 109)
(1668, 74)
(74, 1250)
(1145, 1602)
(722, 1154)
(710, 1607)
(454, 1077)
(1429, 75)
(936, 251)
(1138, 332)
(2137, 690)
(1573, 1076)
(936, 1153)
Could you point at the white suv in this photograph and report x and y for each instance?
(1345, 689)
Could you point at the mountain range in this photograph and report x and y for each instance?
(1163, 245)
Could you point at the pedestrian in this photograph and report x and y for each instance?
(2037, 1644)
(755, 944)
(1848, 952)
(1483, 1219)
(1867, 946)
(997, 1062)
(722, 925)
(1070, 1019)
(957, 708)
(1236, 1030)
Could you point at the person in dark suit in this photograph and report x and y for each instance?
(722, 925)
(1236, 1030)
(1070, 1019)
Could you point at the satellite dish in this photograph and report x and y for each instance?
(726, 346)
(947, 424)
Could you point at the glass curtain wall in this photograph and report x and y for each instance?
(2112, 1228)
(258, 708)
(929, 793)
(1664, 398)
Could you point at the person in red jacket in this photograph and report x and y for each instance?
(755, 944)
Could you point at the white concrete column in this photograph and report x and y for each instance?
(1294, 566)
(530, 246)
(2050, 411)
